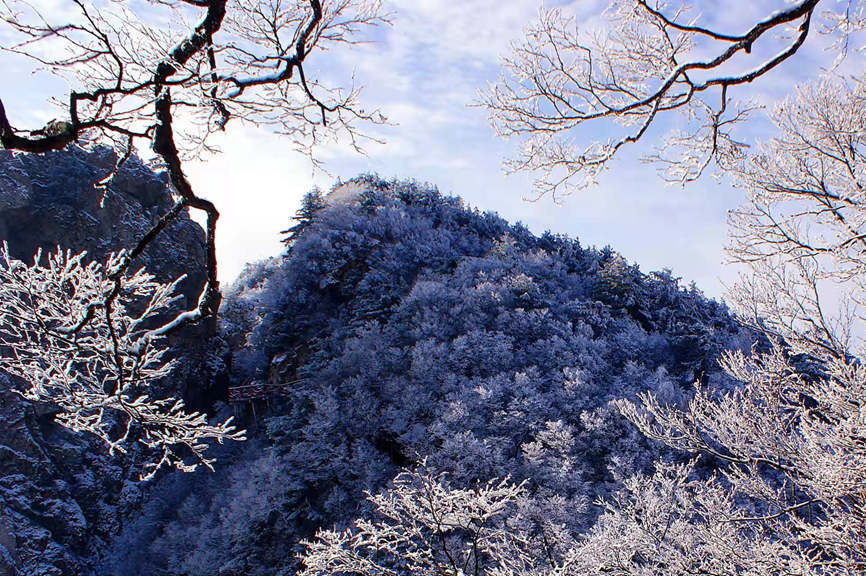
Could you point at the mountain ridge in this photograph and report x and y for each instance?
(399, 327)
(402, 327)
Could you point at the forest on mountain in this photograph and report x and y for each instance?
(399, 328)
(402, 328)
(415, 386)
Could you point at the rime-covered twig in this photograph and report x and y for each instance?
(67, 331)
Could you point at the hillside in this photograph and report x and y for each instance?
(402, 327)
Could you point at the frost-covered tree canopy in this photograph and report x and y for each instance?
(424, 527)
(402, 326)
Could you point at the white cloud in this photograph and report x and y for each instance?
(257, 184)
(423, 72)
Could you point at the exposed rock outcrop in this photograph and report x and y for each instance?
(61, 495)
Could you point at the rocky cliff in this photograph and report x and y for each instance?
(61, 495)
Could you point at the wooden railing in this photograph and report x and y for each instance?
(259, 389)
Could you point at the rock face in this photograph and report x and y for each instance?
(61, 495)
(49, 200)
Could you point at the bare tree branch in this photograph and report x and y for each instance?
(642, 68)
(134, 77)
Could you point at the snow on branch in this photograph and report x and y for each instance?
(789, 439)
(649, 59)
(671, 522)
(172, 73)
(795, 471)
(425, 527)
(87, 341)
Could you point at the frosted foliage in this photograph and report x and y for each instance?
(667, 523)
(791, 434)
(81, 339)
(803, 229)
(647, 60)
(670, 523)
(424, 527)
(795, 450)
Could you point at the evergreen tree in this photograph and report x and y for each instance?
(312, 202)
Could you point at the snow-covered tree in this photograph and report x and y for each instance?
(791, 436)
(423, 526)
(673, 524)
(789, 440)
(90, 347)
(312, 202)
(642, 62)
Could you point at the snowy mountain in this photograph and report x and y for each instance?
(399, 327)
(403, 327)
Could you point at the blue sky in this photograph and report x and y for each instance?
(424, 72)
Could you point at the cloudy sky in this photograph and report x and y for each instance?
(424, 72)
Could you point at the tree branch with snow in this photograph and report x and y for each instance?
(91, 346)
